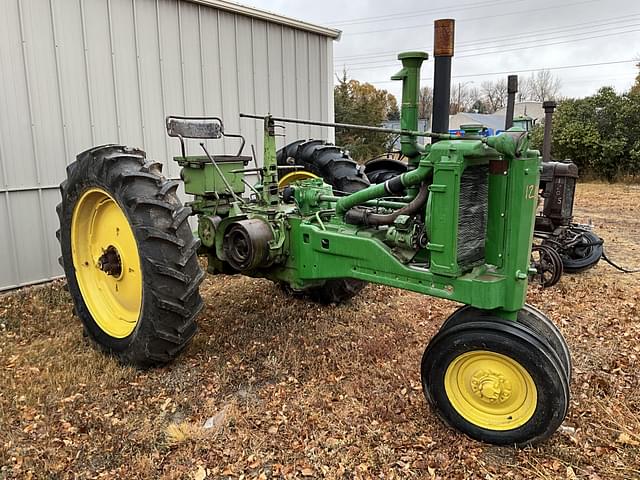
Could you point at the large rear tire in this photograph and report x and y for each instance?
(129, 255)
(379, 170)
(333, 164)
(338, 169)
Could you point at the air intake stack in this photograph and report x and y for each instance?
(410, 76)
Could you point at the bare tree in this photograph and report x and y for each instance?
(471, 100)
(495, 93)
(425, 102)
(524, 89)
(463, 98)
(542, 85)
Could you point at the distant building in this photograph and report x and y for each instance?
(496, 121)
(492, 121)
(423, 126)
(531, 109)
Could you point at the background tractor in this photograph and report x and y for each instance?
(457, 224)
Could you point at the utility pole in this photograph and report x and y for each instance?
(460, 85)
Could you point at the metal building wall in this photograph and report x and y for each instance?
(78, 73)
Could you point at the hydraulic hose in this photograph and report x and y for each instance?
(357, 216)
(393, 186)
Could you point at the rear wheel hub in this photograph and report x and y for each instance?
(110, 262)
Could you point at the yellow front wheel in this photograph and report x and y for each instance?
(495, 380)
(129, 255)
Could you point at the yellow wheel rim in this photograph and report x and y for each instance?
(491, 390)
(107, 263)
(294, 177)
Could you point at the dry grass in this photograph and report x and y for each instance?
(299, 390)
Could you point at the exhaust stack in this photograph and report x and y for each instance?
(512, 89)
(549, 107)
(443, 42)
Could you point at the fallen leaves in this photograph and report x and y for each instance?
(627, 439)
(277, 388)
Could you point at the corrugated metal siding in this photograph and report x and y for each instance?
(78, 73)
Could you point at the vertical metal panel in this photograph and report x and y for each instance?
(331, 134)
(15, 123)
(31, 236)
(275, 67)
(100, 71)
(315, 82)
(289, 91)
(126, 86)
(211, 70)
(77, 73)
(150, 78)
(39, 110)
(8, 261)
(301, 56)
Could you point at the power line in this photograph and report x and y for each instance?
(492, 48)
(506, 50)
(471, 19)
(528, 70)
(417, 13)
(554, 43)
(590, 24)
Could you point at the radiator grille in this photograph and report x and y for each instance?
(472, 216)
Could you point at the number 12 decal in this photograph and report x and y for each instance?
(530, 192)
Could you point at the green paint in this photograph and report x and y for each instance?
(311, 242)
(410, 76)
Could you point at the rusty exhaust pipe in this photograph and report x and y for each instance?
(443, 42)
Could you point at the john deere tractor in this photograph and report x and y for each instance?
(457, 225)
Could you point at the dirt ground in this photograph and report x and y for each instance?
(289, 389)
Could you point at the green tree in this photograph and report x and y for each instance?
(601, 133)
(362, 104)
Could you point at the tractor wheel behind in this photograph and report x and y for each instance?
(548, 265)
(495, 381)
(321, 159)
(379, 170)
(129, 255)
(338, 169)
(584, 255)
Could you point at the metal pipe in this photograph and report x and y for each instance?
(363, 217)
(370, 203)
(549, 106)
(392, 186)
(443, 41)
(440, 136)
(512, 89)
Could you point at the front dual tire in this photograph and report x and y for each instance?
(498, 381)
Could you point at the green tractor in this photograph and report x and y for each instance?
(457, 225)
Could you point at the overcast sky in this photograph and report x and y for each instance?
(522, 35)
